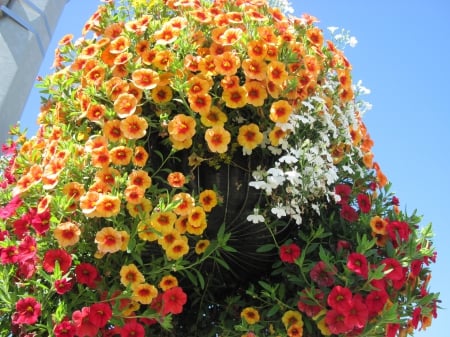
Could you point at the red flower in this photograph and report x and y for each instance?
(64, 329)
(173, 301)
(63, 285)
(11, 208)
(311, 301)
(349, 213)
(335, 321)
(132, 329)
(9, 255)
(357, 263)
(82, 323)
(52, 256)
(27, 311)
(323, 274)
(392, 269)
(340, 298)
(289, 253)
(375, 301)
(41, 222)
(27, 248)
(395, 201)
(343, 246)
(398, 231)
(364, 202)
(344, 191)
(392, 329)
(100, 314)
(358, 314)
(416, 267)
(86, 273)
(27, 268)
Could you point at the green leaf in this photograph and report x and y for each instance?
(266, 248)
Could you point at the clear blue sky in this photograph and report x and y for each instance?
(402, 55)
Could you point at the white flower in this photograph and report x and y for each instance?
(255, 217)
(278, 211)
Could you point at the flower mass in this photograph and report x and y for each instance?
(202, 168)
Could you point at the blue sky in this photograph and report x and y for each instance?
(402, 56)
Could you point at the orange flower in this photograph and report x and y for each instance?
(111, 130)
(214, 117)
(208, 200)
(181, 128)
(167, 282)
(201, 246)
(378, 225)
(96, 112)
(88, 203)
(217, 139)
(108, 240)
(267, 34)
(100, 157)
(125, 105)
(230, 36)
(145, 78)
(168, 238)
(186, 202)
(133, 127)
(121, 155)
(235, 98)
(140, 178)
(119, 44)
(254, 69)
(67, 234)
(276, 135)
(249, 136)
(163, 222)
(140, 156)
(227, 63)
(95, 76)
(130, 275)
(315, 36)
(107, 175)
(162, 94)
(280, 111)
(229, 82)
(100, 187)
(271, 53)
(256, 93)
(176, 179)
(257, 50)
(74, 190)
(141, 209)
(276, 72)
(181, 224)
(250, 315)
(200, 103)
(198, 86)
(146, 231)
(196, 217)
(107, 206)
(134, 194)
(166, 35)
(178, 248)
(163, 60)
(144, 293)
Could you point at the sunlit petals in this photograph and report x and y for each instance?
(111, 130)
(257, 50)
(198, 86)
(108, 240)
(133, 127)
(119, 45)
(163, 59)
(214, 117)
(146, 231)
(130, 275)
(230, 36)
(276, 135)
(235, 98)
(254, 69)
(107, 175)
(276, 72)
(74, 190)
(88, 203)
(134, 194)
(163, 222)
(167, 282)
(178, 248)
(125, 105)
(280, 111)
(256, 93)
(378, 225)
(96, 112)
(67, 234)
(145, 78)
(166, 35)
(107, 206)
(140, 156)
(121, 155)
(230, 82)
(186, 203)
(217, 139)
(140, 178)
(100, 157)
(227, 63)
(200, 103)
(176, 179)
(208, 200)
(201, 246)
(249, 136)
(315, 36)
(144, 293)
(167, 238)
(162, 94)
(141, 209)
(181, 127)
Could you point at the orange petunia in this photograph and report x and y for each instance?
(276, 72)
(200, 103)
(125, 105)
(230, 36)
(217, 139)
(378, 225)
(146, 231)
(100, 157)
(197, 85)
(163, 59)
(208, 200)
(116, 86)
(134, 194)
(133, 127)
(162, 94)
(276, 135)
(130, 275)
(227, 63)
(256, 93)
(257, 50)
(216, 49)
(249, 136)
(144, 293)
(214, 117)
(108, 240)
(162, 222)
(145, 78)
(178, 248)
(113, 30)
(88, 203)
(254, 69)
(181, 224)
(141, 209)
(107, 206)
(181, 127)
(140, 178)
(111, 130)
(140, 156)
(121, 155)
(235, 98)
(206, 66)
(89, 51)
(100, 187)
(230, 82)
(96, 112)
(201, 246)
(186, 202)
(122, 59)
(167, 282)
(107, 175)
(167, 238)
(166, 35)
(95, 76)
(280, 111)
(120, 44)
(271, 53)
(176, 179)
(148, 56)
(267, 34)
(315, 36)
(74, 190)
(67, 234)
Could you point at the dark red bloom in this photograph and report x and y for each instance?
(340, 298)
(28, 311)
(41, 221)
(289, 253)
(349, 213)
(344, 191)
(86, 273)
(22, 226)
(311, 301)
(100, 314)
(173, 300)
(82, 324)
(357, 263)
(9, 255)
(395, 201)
(375, 301)
(416, 267)
(60, 256)
(358, 314)
(364, 202)
(392, 329)
(27, 268)
(63, 285)
(132, 329)
(64, 329)
(393, 269)
(343, 246)
(398, 232)
(323, 274)
(335, 321)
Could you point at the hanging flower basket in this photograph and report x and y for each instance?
(202, 168)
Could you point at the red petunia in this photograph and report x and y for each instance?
(358, 314)
(40, 221)
(132, 329)
(64, 329)
(375, 301)
(311, 301)
(27, 311)
(11, 208)
(349, 213)
(82, 323)
(398, 232)
(392, 329)
(393, 269)
(60, 256)
(344, 191)
(364, 202)
(27, 248)
(289, 253)
(323, 274)
(335, 321)
(173, 301)
(63, 285)
(357, 263)
(340, 298)
(100, 314)
(86, 273)
(9, 255)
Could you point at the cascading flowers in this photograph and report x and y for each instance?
(117, 219)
